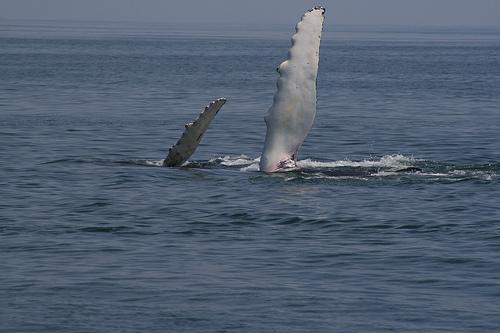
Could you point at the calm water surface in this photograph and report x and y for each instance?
(96, 237)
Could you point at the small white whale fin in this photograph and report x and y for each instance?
(291, 116)
(187, 144)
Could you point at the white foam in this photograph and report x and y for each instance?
(238, 160)
(388, 161)
(155, 163)
(252, 167)
(247, 163)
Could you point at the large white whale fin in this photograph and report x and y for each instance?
(291, 116)
(187, 144)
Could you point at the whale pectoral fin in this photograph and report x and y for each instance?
(291, 116)
(188, 142)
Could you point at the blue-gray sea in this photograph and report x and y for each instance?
(97, 236)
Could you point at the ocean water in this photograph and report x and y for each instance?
(96, 236)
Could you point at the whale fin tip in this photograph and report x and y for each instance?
(179, 153)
